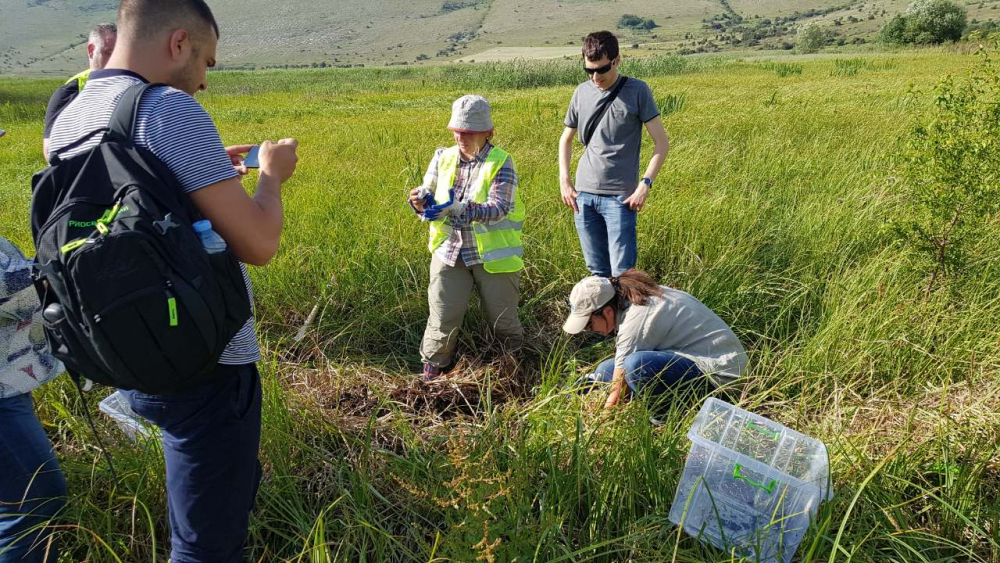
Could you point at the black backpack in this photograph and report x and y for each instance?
(130, 297)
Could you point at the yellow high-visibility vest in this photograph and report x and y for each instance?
(80, 79)
(499, 243)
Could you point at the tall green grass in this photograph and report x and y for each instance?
(782, 69)
(518, 74)
(771, 209)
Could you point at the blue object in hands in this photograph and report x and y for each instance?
(428, 200)
(434, 212)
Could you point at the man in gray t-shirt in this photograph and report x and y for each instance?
(608, 193)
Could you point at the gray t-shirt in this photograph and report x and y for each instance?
(610, 163)
(679, 323)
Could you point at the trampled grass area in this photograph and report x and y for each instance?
(772, 209)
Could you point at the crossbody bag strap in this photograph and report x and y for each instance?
(594, 122)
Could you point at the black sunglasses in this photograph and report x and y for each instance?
(598, 70)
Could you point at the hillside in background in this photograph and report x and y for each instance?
(48, 36)
(779, 207)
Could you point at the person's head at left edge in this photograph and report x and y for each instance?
(101, 44)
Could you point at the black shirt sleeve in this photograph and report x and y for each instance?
(62, 97)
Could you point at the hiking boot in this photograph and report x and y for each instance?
(430, 373)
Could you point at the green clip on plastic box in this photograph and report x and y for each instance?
(750, 484)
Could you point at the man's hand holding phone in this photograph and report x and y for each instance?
(236, 153)
(252, 159)
(278, 160)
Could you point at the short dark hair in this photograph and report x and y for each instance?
(139, 18)
(103, 30)
(600, 44)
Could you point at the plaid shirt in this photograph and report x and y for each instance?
(499, 202)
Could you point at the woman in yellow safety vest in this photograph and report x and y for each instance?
(470, 199)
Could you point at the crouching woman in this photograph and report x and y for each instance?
(665, 337)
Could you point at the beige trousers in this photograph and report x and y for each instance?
(448, 297)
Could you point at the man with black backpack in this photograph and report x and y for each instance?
(139, 297)
(610, 111)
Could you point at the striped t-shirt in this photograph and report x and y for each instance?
(178, 131)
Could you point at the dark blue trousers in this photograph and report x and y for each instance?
(32, 487)
(211, 437)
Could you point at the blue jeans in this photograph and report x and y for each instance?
(652, 374)
(32, 487)
(210, 440)
(606, 228)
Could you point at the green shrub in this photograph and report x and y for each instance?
(981, 30)
(632, 21)
(951, 173)
(811, 38)
(926, 22)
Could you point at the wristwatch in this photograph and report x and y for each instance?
(648, 182)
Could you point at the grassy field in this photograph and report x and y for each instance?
(772, 209)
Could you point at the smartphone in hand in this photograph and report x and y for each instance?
(252, 159)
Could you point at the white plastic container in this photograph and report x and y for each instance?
(116, 406)
(750, 484)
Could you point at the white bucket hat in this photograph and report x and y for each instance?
(471, 114)
(587, 297)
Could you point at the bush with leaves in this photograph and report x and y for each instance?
(926, 22)
(632, 21)
(951, 173)
(811, 38)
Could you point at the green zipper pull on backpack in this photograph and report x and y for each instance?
(172, 310)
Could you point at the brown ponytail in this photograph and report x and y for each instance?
(635, 287)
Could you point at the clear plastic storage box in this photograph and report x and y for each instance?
(750, 484)
(116, 406)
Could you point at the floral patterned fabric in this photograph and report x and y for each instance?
(24, 359)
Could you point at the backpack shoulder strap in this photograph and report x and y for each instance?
(121, 129)
(122, 124)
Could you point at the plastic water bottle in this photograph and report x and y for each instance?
(210, 239)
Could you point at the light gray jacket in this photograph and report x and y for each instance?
(677, 322)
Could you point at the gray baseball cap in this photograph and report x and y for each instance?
(471, 114)
(587, 297)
